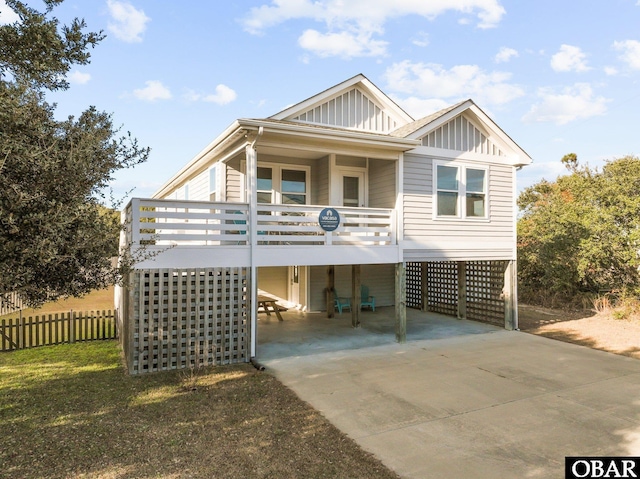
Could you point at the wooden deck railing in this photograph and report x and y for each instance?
(191, 223)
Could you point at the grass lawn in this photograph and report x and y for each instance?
(70, 411)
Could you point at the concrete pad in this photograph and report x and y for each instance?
(474, 402)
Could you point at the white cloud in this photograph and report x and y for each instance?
(630, 52)
(505, 54)
(154, 90)
(573, 103)
(421, 39)
(569, 58)
(79, 78)
(357, 21)
(342, 44)
(460, 82)
(610, 71)
(128, 22)
(222, 96)
(7, 15)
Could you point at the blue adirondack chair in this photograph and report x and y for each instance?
(340, 302)
(366, 299)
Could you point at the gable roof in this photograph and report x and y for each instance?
(355, 104)
(409, 128)
(479, 120)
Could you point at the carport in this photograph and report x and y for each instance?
(303, 334)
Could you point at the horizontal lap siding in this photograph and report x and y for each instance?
(382, 184)
(199, 187)
(274, 280)
(320, 182)
(234, 182)
(429, 239)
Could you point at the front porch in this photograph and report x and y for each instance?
(190, 234)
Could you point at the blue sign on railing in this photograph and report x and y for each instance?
(329, 219)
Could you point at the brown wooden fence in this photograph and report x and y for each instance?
(69, 327)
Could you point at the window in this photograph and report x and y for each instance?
(294, 187)
(265, 185)
(460, 191)
(476, 195)
(448, 186)
(213, 184)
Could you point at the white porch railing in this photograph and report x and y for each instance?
(199, 223)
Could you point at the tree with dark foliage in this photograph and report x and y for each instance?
(56, 238)
(581, 233)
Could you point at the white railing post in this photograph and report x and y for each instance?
(135, 221)
(393, 224)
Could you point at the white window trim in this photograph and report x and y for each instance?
(462, 192)
(276, 178)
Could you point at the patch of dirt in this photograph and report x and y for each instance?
(587, 328)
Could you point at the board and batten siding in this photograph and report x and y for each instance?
(461, 134)
(380, 278)
(429, 239)
(382, 184)
(352, 109)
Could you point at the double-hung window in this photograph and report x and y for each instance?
(294, 187)
(461, 191)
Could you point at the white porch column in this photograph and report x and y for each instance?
(252, 199)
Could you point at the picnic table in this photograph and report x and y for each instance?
(266, 302)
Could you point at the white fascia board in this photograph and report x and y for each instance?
(432, 152)
(315, 132)
(205, 155)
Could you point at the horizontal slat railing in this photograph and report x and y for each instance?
(194, 223)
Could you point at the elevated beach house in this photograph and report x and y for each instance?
(341, 190)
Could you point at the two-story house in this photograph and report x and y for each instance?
(342, 189)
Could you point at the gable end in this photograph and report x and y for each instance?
(460, 134)
(351, 109)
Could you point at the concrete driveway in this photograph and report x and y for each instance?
(485, 403)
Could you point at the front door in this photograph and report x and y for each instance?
(352, 189)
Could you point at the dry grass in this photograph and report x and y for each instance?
(99, 300)
(614, 328)
(70, 411)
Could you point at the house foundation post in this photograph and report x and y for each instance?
(401, 306)
(331, 282)
(424, 287)
(355, 295)
(462, 290)
(510, 295)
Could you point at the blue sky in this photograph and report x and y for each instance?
(558, 76)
